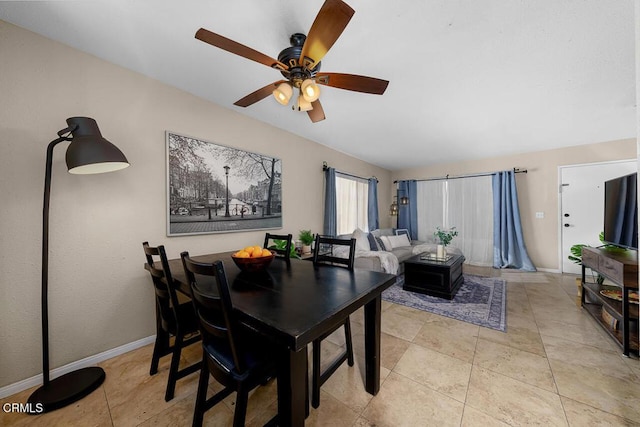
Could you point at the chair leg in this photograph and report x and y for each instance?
(242, 396)
(173, 370)
(201, 395)
(306, 391)
(348, 341)
(162, 341)
(315, 377)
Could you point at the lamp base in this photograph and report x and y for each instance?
(65, 390)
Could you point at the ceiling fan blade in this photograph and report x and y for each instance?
(258, 95)
(317, 113)
(333, 17)
(239, 49)
(353, 82)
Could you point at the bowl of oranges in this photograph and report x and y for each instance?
(253, 258)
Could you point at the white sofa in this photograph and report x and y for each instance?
(372, 251)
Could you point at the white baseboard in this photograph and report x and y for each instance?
(550, 270)
(14, 388)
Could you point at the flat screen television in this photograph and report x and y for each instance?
(621, 211)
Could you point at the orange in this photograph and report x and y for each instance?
(242, 254)
(248, 249)
(256, 254)
(266, 252)
(257, 249)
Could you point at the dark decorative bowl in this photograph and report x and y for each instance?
(253, 264)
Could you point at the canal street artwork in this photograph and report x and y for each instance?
(213, 188)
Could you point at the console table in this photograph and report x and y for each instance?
(622, 269)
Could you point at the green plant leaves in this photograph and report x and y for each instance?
(445, 236)
(306, 237)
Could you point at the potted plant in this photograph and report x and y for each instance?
(281, 245)
(306, 238)
(444, 237)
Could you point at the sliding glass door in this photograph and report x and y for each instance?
(465, 204)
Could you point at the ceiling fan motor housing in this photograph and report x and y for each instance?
(291, 56)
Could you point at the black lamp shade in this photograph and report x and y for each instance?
(89, 152)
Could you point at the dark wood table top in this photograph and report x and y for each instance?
(294, 304)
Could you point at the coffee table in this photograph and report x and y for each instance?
(437, 277)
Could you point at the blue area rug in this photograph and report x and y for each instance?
(480, 301)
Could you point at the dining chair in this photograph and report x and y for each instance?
(280, 252)
(327, 252)
(237, 357)
(172, 319)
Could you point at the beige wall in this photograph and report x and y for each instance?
(100, 296)
(537, 189)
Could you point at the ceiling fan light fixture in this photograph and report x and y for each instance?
(310, 90)
(283, 93)
(303, 104)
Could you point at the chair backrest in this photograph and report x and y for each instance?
(282, 252)
(214, 312)
(325, 251)
(166, 297)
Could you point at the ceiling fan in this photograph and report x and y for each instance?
(300, 63)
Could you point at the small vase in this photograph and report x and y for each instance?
(306, 249)
(440, 251)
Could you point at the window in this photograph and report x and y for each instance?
(352, 199)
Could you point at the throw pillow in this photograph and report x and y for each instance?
(404, 231)
(373, 245)
(379, 243)
(386, 244)
(362, 242)
(399, 241)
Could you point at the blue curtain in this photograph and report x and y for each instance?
(408, 214)
(509, 250)
(330, 203)
(372, 209)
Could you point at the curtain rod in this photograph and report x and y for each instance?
(515, 170)
(325, 167)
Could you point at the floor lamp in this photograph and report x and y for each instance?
(88, 153)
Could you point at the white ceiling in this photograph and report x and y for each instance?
(468, 79)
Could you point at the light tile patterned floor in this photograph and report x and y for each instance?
(553, 366)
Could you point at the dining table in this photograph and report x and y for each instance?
(294, 303)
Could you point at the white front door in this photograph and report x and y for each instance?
(582, 204)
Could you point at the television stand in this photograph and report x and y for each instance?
(620, 267)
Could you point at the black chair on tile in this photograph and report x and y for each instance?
(280, 252)
(172, 319)
(326, 253)
(237, 357)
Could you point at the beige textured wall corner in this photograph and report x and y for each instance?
(100, 296)
(537, 189)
